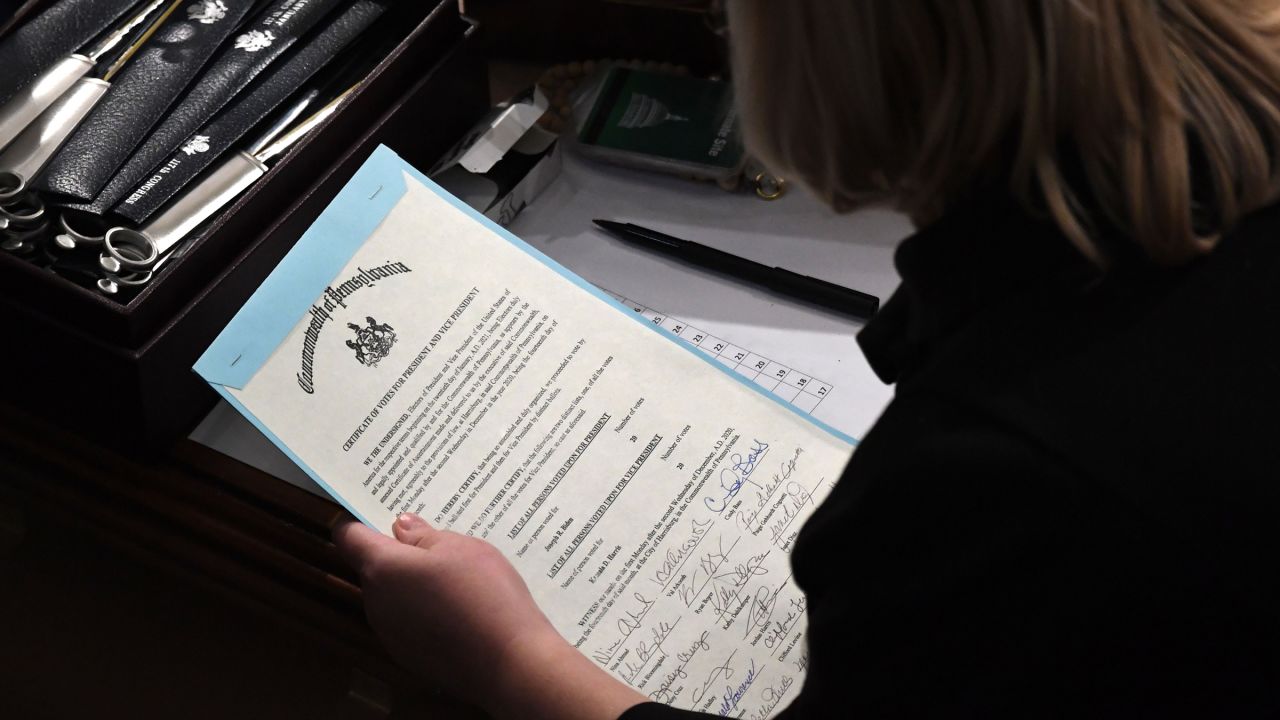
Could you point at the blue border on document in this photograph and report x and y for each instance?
(601, 294)
(286, 296)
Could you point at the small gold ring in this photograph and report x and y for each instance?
(778, 186)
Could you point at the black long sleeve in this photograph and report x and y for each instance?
(1068, 510)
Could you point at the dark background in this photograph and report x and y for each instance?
(119, 600)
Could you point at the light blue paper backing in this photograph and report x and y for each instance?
(321, 253)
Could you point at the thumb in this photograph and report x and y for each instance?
(413, 530)
(359, 543)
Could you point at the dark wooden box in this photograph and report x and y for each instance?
(121, 373)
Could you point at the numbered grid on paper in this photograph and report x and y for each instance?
(803, 391)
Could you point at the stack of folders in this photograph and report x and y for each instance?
(125, 125)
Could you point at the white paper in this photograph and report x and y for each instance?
(795, 232)
(649, 498)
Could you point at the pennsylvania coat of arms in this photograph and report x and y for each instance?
(372, 343)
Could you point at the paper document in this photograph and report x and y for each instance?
(795, 232)
(410, 355)
(805, 392)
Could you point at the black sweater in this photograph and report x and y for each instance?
(1072, 506)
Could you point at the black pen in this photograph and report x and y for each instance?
(780, 280)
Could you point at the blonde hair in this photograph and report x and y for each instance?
(1094, 112)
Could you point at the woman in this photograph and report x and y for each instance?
(1069, 509)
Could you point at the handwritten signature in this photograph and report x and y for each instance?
(722, 598)
(724, 670)
(664, 693)
(728, 584)
(631, 622)
(780, 628)
(658, 636)
(763, 495)
(762, 606)
(646, 651)
(735, 476)
(802, 662)
(627, 625)
(676, 556)
(708, 564)
(742, 572)
(732, 695)
(772, 695)
(797, 497)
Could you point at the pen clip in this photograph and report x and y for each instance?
(120, 33)
(140, 41)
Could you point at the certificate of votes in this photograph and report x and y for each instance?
(412, 356)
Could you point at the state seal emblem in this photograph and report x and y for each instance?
(372, 343)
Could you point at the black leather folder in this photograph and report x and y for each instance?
(140, 96)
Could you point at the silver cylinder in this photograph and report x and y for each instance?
(35, 145)
(33, 100)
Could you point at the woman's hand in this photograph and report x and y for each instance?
(451, 608)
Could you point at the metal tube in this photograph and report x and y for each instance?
(23, 110)
(139, 250)
(29, 152)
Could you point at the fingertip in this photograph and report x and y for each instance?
(411, 529)
(343, 528)
(357, 541)
(409, 522)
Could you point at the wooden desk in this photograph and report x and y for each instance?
(198, 520)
